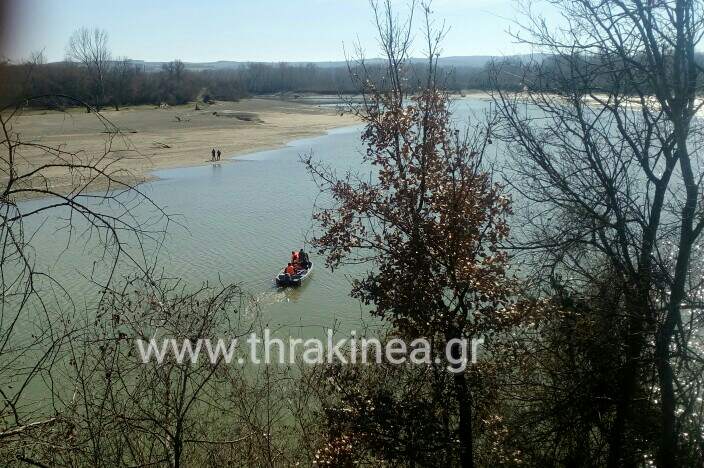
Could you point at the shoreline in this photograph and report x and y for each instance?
(154, 138)
(230, 158)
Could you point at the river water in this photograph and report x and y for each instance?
(237, 223)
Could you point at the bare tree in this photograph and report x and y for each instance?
(121, 73)
(156, 412)
(95, 203)
(90, 48)
(32, 67)
(607, 160)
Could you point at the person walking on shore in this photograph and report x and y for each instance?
(213, 155)
(218, 155)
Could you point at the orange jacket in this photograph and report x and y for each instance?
(290, 270)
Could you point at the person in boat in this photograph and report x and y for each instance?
(290, 270)
(295, 258)
(303, 259)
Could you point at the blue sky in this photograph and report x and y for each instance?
(247, 30)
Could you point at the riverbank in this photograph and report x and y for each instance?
(152, 138)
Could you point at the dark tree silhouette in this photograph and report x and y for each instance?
(607, 156)
(427, 219)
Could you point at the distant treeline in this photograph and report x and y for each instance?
(117, 83)
(124, 82)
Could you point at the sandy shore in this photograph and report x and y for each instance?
(155, 138)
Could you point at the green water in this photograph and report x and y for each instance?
(237, 222)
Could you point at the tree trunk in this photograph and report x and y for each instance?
(628, 385)
(177, 447)
(464, 402)
(667, 450)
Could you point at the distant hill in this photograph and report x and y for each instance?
(469, 61)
